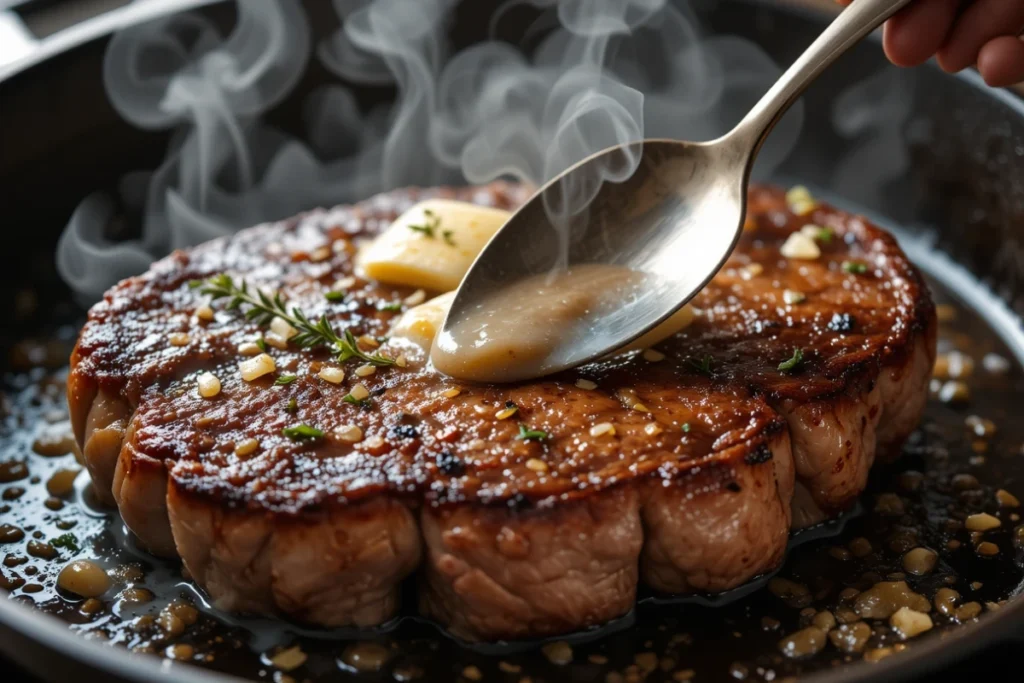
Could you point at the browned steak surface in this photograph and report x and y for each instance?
(691, 490)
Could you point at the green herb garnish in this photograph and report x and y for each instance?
(292, 406)
(703, 365)
(302, 431)
(797, 359)
(263, 308)
(526, 434)
(335, 295)
(67, 541)
(854, 267)
(262, 344)
(686, 427)
(824, 235)
(393, 306)
(429, 226)
(447, 235)
(361, 402)
(285, 379)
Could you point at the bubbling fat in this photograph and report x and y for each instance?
(514, 333)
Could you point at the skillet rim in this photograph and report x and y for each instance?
(51, 634)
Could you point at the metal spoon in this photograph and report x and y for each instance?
(676, 219)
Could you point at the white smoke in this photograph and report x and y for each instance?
(603, 72)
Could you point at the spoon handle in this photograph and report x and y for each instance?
(853, 23)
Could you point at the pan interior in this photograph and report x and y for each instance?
(964, 459)
(955, 465)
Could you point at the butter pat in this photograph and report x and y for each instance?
(421, 324)
(432, 245)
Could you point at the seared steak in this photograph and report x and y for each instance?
(678, 471)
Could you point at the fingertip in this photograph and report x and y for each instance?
(1001, 61)
(947, 64)
(900, 47)
(916, 32)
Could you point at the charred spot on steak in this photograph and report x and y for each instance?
(761, 453)
(450, 464)
(405, 431)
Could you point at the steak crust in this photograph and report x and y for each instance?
(693, 491)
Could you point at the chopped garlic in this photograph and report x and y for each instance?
(178, 339)
(416, 298)
(345, 283)
(653, 355)
(451, 393)
(375, 441)
(603, 428)
(401, 361)
(586, 384)
(791, 296)
(365, 370)
(800, 246)
(289, 659)
(204, 312)
(320, 254)
(360, 392)
(282, 328)
(249, 348)
(981, 522)
(247, 447)
(276, 340)
(800, 200)
(653, 429)
(537, 465)
(350, 433)
(909, 623)
(751, 270)
(256, 367)
(209, 385)
(367, 340)
(331, 374)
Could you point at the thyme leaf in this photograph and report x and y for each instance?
(793, 362)
(527, 434)
(302, 431)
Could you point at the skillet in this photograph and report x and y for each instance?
(942, 165)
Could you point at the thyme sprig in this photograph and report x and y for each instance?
(265, 307)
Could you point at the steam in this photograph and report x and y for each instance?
(602, 73)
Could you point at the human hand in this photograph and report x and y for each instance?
(960, 33)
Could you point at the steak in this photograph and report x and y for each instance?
(684, 468)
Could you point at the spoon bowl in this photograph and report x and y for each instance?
(655, 223)
(673, 221)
